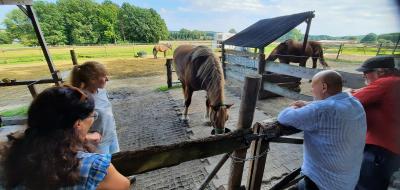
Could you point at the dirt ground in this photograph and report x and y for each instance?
(146, 116)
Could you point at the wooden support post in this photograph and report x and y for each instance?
(256, 170)
(247, 107)
(379, 49)
(261, 62)
(223, 58)
(73, 57)
(339, 51)
(308, 21)
(32, 90)
(397, 44)
(168, 64)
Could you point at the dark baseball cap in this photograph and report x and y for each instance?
(373, 63)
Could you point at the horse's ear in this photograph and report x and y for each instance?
(228, 106)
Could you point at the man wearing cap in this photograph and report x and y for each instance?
(381, 101)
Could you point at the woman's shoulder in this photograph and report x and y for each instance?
(93, 167)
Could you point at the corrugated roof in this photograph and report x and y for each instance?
(265, 31)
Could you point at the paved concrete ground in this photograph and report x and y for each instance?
(146, 117)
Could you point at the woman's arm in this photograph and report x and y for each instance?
(114, 180)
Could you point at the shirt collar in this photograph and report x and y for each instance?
(338, 96)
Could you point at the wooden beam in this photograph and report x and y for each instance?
(16, 83)
(15, 2)
(285, 92)
(246, 113)
(156, 157)
(351, 80)
(73, 57)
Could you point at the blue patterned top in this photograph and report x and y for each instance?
(334, 138)
(93, 169)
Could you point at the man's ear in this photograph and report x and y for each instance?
(324, 87)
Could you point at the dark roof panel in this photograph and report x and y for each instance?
(265, 31)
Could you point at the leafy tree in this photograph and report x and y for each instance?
(369, 38)
(232, 30)
(393, 37)
(51, 22)
(294, 34)
(4, 37)
(18, 26)
(80, 19)
(107, 22)
(141, 25)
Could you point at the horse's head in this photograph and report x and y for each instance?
(218, 116)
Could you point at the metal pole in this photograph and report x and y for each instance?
(43, 44)
(247, 107)
(215, 170)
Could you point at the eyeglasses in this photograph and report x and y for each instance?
(95, 115)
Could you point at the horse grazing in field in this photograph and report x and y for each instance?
(198, 69)
(161, 48)
(292, 51)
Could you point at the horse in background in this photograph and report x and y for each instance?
(161, 48)
(198, 69)
(292, 51)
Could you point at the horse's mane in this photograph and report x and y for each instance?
(210, 69)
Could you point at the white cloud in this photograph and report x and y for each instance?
(226, 5)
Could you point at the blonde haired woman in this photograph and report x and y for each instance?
(91, 76)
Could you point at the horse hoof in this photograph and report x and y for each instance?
(226, 130)
(185, 119)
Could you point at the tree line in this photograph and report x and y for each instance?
(86, 22)
(185, 34)
(371, 38)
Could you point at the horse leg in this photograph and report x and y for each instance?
(314, 62)
(165, 54)
(155, 53)
(207, 115)
(188, 99)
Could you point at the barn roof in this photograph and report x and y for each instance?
(265, 31)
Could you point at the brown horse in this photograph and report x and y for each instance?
(161, 48)
(292, 51)
(198, 69)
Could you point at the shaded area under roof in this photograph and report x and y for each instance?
(265, 31)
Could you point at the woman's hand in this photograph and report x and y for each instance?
(94, 137)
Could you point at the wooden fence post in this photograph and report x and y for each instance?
(32, 90)
(379, 49)
(223, 58)
(339, 51)
(256, 170)
(73, 57)
(247, 107)
(395, 47)
(169, 72)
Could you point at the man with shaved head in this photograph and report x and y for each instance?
(334, 126)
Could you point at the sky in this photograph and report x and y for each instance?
(332, 17)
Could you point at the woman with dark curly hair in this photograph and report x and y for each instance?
(53, 153)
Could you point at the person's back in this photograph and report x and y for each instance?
(334, 132)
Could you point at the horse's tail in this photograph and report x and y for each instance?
(210, 69)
